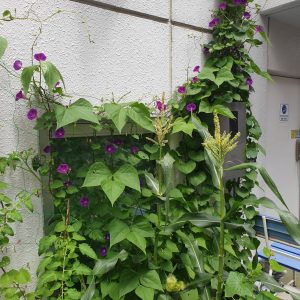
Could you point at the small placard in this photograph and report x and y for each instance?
(295, 134)
(284, 112)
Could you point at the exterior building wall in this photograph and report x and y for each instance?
(284, 53)
(284, 65)
(274, 4)
(142, 48)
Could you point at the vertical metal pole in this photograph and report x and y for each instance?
(264, 220)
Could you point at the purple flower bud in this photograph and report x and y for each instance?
(214, 22)
(160, 106)
(32, 114)
(191, 107)
(67, 183)
(17, 65)
(59, 133)
(107, 236)
(249, 81)
(57, 84)
(259, 28)
(247, 15)
(63, 169)
(141, 182)
(195, 79)
(103, 251)
(181, 90)
(110, 149)
(40, 57)
(134, 149)
(47, 149)
(20, 95)
(196, 69)
(222, 6)
(84, 201)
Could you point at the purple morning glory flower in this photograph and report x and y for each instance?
(40, 57)
(160, 106)
(63, 169)
(67, 183)
(20, 95)
(117, 142)
(57, 84)
(249, 81)
(240, 2)
(107, 236)
(181, 90)
(205, 50)
(32, 114)
(84, 201)
(259, 28)
(110, 148)
(196, 69)
(195, 79)
(214, 22)
(222, 6)
(103, 251)
(191, 107)
(247, 15)
(17, 65)
(59, 133)
(47, 149)
(134, 149)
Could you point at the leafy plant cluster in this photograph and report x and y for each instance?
(13, 281)
(137, 216)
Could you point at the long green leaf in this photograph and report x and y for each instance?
(197, 259)
(89, 293)
(290, 222)
(264, 174)
(152, 183)
(202, 220)
(202, 129)
(275, 287)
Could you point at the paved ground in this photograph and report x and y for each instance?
(287, 278)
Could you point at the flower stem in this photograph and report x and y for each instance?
(221, 242)
(158, 208)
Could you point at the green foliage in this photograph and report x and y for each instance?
(79, 110)
(12, 282)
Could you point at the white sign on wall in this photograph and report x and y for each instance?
(284, 112)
